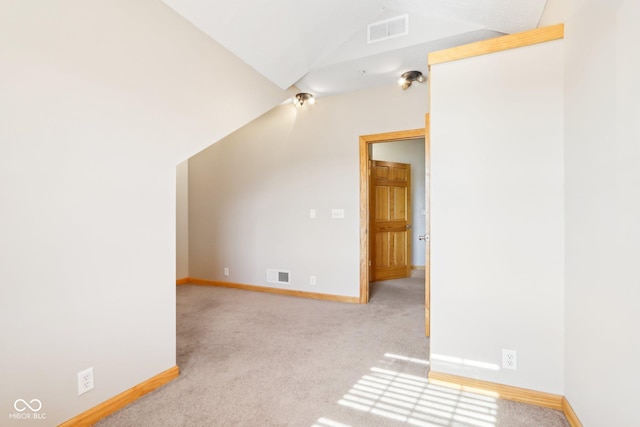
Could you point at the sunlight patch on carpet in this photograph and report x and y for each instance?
(407, 359)
(326, 422)
(411, 399)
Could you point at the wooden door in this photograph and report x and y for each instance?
(390, 217)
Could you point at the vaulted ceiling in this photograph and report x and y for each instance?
(321, 45)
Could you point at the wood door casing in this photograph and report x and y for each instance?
(390, 215)
(365, 142)
(427, 261)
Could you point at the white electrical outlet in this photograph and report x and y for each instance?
(85, 381)
(226, 271)
(509, 359)
(312, 280)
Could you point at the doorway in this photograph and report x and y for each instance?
(366, 142)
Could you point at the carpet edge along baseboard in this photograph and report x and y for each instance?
(516, 394)
(119, 401)
(279, 291)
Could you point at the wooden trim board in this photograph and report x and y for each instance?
(427, 230)
(570, 414)
(108, 407)
(498, 44)
(364, 220)
(517, 394)
(290, 292)
(182, 281)
(393, 136)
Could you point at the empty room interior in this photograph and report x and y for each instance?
(334, 214)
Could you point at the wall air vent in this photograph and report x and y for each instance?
(388, 29)
(278, 276)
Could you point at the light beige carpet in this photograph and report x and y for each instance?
(255, 359)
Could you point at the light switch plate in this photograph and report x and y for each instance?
(337, 213)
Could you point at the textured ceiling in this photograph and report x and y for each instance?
(321, 46)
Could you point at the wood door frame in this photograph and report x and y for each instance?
(365, 142)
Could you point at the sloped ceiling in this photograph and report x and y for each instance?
(321, 46)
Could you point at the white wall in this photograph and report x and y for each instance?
(250, 194)
(182, 220)
(497, 240)
(602, 149)
(411, 152)
(100, 101)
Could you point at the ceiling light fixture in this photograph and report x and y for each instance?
(302, 98)
(409, 77)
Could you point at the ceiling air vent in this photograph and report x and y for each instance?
(388, 29)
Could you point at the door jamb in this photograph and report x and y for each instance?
(365, 142)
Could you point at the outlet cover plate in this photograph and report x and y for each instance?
(85, 381)
(509, 359)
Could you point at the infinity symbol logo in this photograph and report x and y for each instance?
(22, 405)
